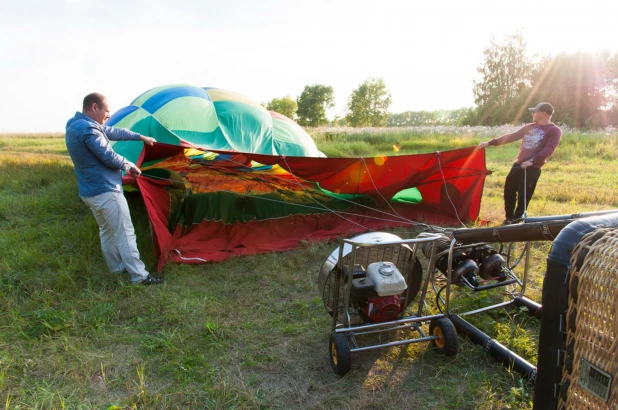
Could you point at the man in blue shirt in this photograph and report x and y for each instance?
(99, 179)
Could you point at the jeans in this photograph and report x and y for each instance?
(518, 181)
(117, 235)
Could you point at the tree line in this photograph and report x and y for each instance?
(582, 86)
(367, 106)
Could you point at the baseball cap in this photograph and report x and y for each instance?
(545, 107)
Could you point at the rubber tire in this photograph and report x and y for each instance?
(339, 353)
(448, 342)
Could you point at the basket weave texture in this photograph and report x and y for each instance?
(593, 302)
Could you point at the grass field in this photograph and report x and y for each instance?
(251, 332)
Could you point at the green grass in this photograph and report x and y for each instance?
(251, 332)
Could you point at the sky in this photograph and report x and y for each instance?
(54, 52)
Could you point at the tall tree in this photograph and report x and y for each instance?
(581, 86)
(286, 106)
(505, 75)
(612, 112)
(613, 79)
(313, 103)
(368, 104)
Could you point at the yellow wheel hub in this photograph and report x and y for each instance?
(333, 353)
(440, 340)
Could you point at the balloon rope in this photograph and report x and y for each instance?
(446, 189)
(432, 227)
(399, 219)
(318, 202)
(525, 214)
(282, 202)
(379, 193)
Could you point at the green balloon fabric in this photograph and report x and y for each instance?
(209, 118)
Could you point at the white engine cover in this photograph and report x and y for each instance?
(386, 278)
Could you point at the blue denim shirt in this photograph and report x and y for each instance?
(97, 166)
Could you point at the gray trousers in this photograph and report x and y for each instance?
(117, 235)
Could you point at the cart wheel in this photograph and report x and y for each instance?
(340, 357)
(447, 342)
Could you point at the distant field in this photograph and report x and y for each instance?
(251, 332)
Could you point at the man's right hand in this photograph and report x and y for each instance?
(135, 171)
(132, 169)
(147, 140)
(483, 145)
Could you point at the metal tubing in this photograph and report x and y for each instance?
(385, 324)
(526, 266)
(427, 237)
(369, 332)
(336, 292)
(515, 278)
(495, 349)
(486, 308)
(534, 309)
(409, 279)
(538, 231)
(570, 216)
(391, 344)
(430, 269)
(449, 271)
(490, 286)
(348, 288)
(354, 342)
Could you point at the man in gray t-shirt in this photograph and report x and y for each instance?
(540, 139)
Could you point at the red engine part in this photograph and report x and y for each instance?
(382, 308)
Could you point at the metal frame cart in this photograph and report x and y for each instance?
(343, 274)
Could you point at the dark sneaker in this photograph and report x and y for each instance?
(152, 280)
(507, 222)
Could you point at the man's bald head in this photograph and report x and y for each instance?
(93, 98)
(96, 107)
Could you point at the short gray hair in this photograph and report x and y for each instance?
(93, 98)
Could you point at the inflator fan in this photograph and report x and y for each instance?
(384, 280)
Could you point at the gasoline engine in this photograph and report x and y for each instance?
(377, 291)
(470, 264)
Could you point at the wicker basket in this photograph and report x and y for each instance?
(590, 371)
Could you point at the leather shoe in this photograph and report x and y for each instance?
(152, 280)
